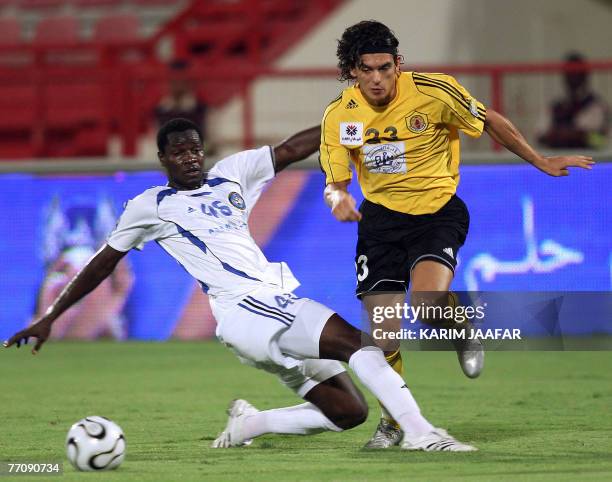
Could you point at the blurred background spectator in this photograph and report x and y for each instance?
(580, 119)
(181, 100)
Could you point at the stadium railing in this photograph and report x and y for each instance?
(270, 100)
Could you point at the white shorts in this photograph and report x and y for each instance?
(279, 333)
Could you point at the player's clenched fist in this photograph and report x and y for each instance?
(342, 204)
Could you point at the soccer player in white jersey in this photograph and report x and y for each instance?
(201, 221)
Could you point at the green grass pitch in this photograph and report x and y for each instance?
(534, 415)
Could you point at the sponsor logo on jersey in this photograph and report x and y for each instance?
(351, 133)
(236, 200)
(473, 107)
(385, 158)
(449, 251)
(190, 209)
(416, 122)
(351, 104)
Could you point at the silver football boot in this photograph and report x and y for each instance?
(386, 435)
(470, 353)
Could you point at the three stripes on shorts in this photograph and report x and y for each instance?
(260, 308)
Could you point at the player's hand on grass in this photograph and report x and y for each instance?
(558, 165)
(343, 206)
(39, 330)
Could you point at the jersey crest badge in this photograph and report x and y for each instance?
(416, 122)
(473, 107)
(236, 200)
(385, 158)
(351, 133)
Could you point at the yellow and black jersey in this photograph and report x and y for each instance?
(406, 153)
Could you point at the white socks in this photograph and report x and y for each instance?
(370, 366)
(372, 369)
(304, 419)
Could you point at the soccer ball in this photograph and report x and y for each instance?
(95, 443)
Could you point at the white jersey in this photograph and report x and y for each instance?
(205, 230)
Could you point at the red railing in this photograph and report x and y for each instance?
(495, 73)
(126, 79)
(128, 93)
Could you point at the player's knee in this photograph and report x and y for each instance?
(351, 415)
(357, 414)
(361, 414)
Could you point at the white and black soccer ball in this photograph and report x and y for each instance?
(95, 443)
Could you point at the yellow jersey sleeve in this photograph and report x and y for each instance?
(334, 158)
(458, 108)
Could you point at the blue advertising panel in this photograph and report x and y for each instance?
(51, 225)
(528, 232)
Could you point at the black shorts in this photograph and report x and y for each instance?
(391, 243)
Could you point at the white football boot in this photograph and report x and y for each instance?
(438, 440)
(237, 411)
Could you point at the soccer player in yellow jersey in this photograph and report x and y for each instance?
(401, 132)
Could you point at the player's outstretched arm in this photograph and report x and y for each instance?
(506, 134)
(297, 147)
(342, 204)
(97, 269)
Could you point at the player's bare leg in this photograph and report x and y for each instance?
(388, 432)
(429, 277)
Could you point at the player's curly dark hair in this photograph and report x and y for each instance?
(174, 125)
(368, 35)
